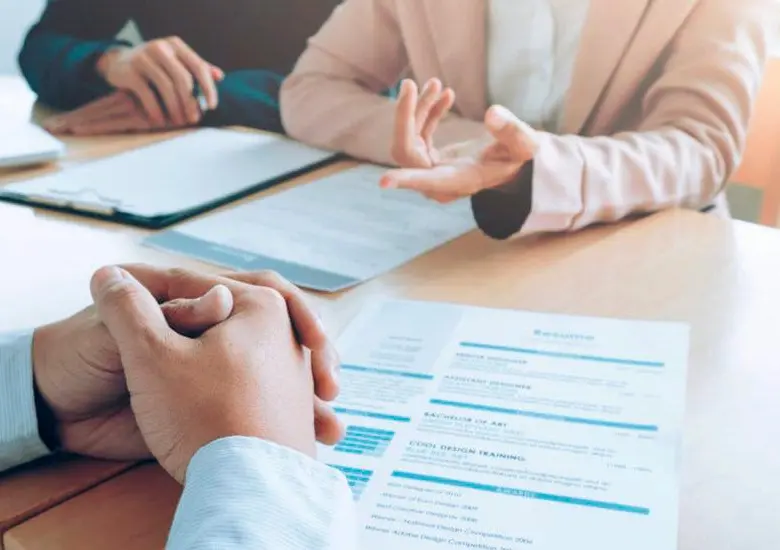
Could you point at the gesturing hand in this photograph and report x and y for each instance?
(245, 376)
(461, 169)
(169, 67)
(416, 120)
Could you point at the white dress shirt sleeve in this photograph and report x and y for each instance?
(244, 492)
(19, 441)
(240, 492)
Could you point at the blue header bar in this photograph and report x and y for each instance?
(546, 416)
(613, 506)
(563, 355)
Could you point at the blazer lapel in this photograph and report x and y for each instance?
(659, 27)
(459, 41)
(608, 32)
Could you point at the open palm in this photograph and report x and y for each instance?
(458, 170)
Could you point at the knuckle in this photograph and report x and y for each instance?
(157, 46)
(120, 294)
(271, 278)
(179, 274)
(270, 299)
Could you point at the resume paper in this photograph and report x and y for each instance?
(328, 235)
(491, 429)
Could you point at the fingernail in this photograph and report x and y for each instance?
(117, 273)
(111, 275)
(495, 119)
(224, 295)
(387, 183)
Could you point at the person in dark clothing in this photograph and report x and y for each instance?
(236, 52)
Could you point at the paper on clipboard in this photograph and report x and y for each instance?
(177, 175)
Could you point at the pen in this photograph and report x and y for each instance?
(197, 93)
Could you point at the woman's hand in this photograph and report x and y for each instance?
(461, 169)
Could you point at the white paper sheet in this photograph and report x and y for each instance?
(23, 143)
(493, 429)
(175, 175)
(328, 234)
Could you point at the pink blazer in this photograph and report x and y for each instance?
(656, 116)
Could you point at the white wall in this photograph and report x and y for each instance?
(16, 16)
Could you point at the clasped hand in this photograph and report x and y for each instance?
(128, 378)
(458, 170)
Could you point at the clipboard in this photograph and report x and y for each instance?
(164, 183)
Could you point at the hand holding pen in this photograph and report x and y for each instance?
(162, 84)
(161, 75)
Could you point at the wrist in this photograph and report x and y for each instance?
(42, 357)
(106, 60)
(239, 422)
(294, 430)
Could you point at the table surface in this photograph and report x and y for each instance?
(722, 278)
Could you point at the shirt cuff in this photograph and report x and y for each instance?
(502, 211)
(247, 98)
(243, 492)
(19, 439)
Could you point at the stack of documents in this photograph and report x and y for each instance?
(326, 235)
(161, 184)
(24, 144)
(492, 429)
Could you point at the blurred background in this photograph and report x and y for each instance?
(15, 17)
(746, 195)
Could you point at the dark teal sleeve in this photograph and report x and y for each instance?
(502, 211)
(248, 98)
(60, 51)
(251, 98)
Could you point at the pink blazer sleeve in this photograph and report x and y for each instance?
(691, 135)
(331, 98)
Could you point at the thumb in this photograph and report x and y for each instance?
(129, 311)
(192, 317)
(511, 132)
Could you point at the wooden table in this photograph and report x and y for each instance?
(722, 278)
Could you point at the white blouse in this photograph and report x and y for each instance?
(531, 47)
